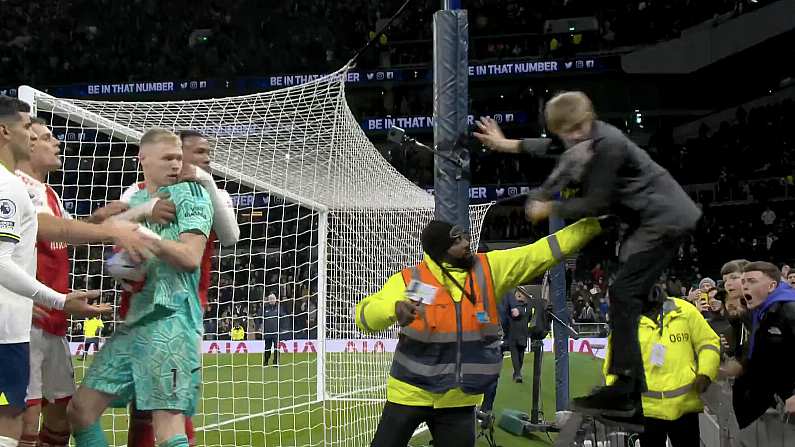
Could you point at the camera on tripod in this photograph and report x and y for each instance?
(485, 419)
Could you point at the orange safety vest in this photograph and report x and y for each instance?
(451, 344)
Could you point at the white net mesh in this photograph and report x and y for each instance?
(325, 220)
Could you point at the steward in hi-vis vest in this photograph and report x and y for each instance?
(449, 345)
(681, 355)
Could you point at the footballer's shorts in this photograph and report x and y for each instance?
(156, 363)
(14, 375)
(51, 374)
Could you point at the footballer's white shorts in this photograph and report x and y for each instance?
(52, 376)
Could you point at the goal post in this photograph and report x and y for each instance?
(321, 305)
(325, 220)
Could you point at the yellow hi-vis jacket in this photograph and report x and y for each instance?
(509, 269)
(92, 326)
(238, 334)
(672, 358)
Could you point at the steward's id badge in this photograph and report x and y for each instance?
(658, 355)
(482, 317)
(421, 292)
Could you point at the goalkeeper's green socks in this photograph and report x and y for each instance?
(91, 436)
(176, 441)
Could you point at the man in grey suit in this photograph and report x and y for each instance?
(618, 178)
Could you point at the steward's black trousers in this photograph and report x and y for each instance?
(449, 427)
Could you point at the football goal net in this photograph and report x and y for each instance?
(325, 220)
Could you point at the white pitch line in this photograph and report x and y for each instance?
(251, 416)
(269, 412)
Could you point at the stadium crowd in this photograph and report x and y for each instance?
(755, 145)
(84, 39)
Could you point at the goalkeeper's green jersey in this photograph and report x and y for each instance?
(167, 289)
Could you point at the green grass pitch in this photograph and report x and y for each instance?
(245, 404)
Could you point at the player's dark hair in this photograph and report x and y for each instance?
(767, 269)
(10, 106)
(190, 133)
(735, 266)
(37, 120)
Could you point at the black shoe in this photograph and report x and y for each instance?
(517, 379)
(609, 401)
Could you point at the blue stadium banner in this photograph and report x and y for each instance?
(382, 124)
(517, 68)
(161, 88)
(180, 87)
(490, 193)
(537, 67)
(289, 80)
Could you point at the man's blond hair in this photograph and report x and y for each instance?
(568, 110)
(158, 135)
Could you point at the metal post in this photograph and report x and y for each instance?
(450, 112)
(561, 333)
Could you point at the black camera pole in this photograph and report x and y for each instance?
(398, 136)
(537, 347)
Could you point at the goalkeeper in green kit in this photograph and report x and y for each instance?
(155, 357)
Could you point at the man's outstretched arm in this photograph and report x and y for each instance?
(75, 232)
(521, 265)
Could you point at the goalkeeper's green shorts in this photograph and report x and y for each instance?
(156, 363)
